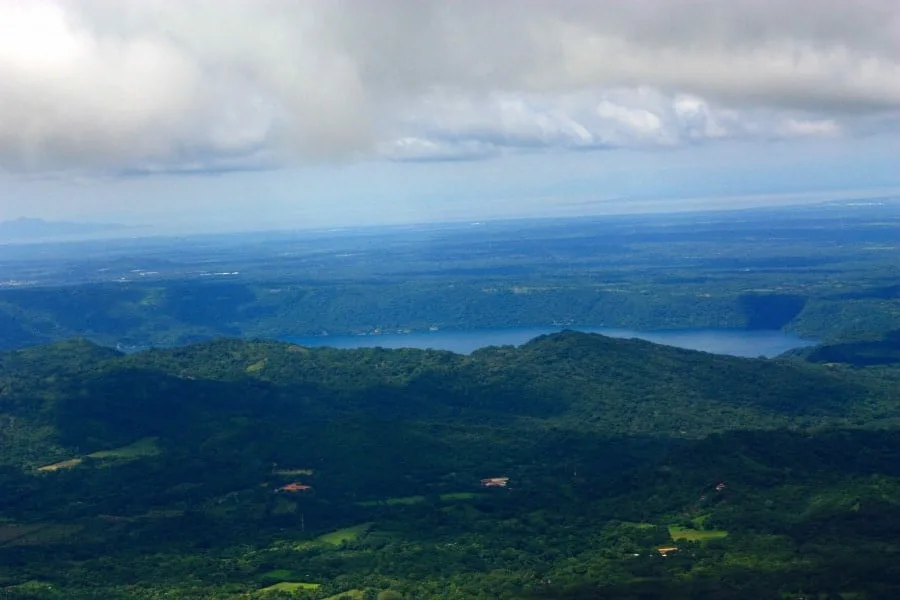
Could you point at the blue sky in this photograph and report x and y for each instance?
(199, 115)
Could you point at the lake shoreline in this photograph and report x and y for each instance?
(733, 342)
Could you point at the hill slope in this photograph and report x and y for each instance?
(584, 383)
(164, 467)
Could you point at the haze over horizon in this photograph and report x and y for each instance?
(200, 115)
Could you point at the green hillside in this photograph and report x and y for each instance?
(162, 473)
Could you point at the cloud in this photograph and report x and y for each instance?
(418, 149)
(445, 125)
(149, 86)
(824, 127)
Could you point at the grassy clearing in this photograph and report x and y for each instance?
(695, 535)
(352, 594)
(291, 586)
(297, 546)
(347, 534)
(63, 464)
(459, 496)
(143, 447)
(257, 366)
(637, 525)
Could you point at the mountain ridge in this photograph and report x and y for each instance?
(572, 380)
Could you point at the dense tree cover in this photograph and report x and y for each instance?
(183, 312)
(868, 353)
(776, 478)
(173, 313)
(827, 272)
(577, 382)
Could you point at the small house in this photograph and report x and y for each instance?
(493, 482)
(294, 487)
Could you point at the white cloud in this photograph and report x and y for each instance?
(821, 127)
(215, 84)
(472, 127)
(697, 119)
(420, 149)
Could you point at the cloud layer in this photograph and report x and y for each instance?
(452, 127)
(143, 85)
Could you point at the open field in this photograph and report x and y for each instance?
(257, 366)
(352, 594)
(695, 535)
(347, 534)
(291, 586)
(142, 448)
(63, 464)
(459, 496)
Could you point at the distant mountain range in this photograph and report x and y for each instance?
(31, 229)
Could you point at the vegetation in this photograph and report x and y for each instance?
(290, 586)
(772, 478)
(695, 535)
(347, 534)
(825, 271)
(868, 353)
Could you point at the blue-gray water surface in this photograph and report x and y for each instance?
(734, 342)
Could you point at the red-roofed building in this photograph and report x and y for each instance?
(294, 487)
(495, 482)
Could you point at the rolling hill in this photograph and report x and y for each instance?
(168, 467)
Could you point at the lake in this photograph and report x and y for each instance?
(463, 341)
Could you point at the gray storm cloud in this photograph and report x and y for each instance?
(217, 84)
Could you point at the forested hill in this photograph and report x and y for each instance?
(164, 467)
(93, 397)
(867, 353)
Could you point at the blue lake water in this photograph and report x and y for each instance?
(463, 341)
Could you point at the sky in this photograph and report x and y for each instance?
(243, 114)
